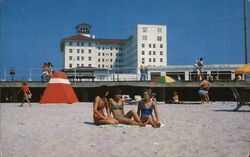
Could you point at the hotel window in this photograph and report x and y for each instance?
(99, 48)
(89, 65)
(78, 44)
(149, 59)
(89, 43)
(82, 50)
(142, 45)
(161, 53)
(120, 54)
(144, 37)
(111, 60)
(153, 59)
(161, 60)
(111, 66)
(103, 48)
(161, 45)
(142, 53)
(111, 48)
(70, 65)
(70, 58)
(107, 54)
(82, 43)
(99, 54)
(159, 30)
(102, 60)
(153, 45)
(99, 65)
(116, 54)
(149, 52)
(120, 48)
(144, 29)
(78, 65)
(120, 60)
(89, 50)
(82, 65)
(143, 60)
(78, 50)
(103, 54)
(159, 38)
(116, 48)
(78, 58)
(70, 50)
(153, 52)
(149, 45)
(103, 66)
(107, 60)
(111, 54)
(70, 43)
(89, 58)
(82, 58)
(99, 60)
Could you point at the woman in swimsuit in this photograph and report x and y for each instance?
(100, 103)
(116, 104)
(146, 107)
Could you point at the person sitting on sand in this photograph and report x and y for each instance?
(176, 99)
(26, 93)
(116, 105)
(100, 103)
(203, 91)
(146, 107)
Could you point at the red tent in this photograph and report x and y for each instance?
(59, 90)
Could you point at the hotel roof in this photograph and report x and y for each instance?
(99, 41)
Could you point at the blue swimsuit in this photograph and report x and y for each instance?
(146, 112)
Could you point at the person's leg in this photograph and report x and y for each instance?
(27, 99)
(157, 123)
(133, 113)
(106, 121)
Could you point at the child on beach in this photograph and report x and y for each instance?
(26, 94)
(146, 107)
(100, 103)
(116, 105)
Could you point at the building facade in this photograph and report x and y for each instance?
(147, 46)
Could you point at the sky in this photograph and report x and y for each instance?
(31, 30)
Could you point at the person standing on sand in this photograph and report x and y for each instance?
(203, 91)
(146, 107)
(99, 104)
(26, 94)
(116, 104)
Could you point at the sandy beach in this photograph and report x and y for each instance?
(209, 130)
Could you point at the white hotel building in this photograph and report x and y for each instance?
(147, 46)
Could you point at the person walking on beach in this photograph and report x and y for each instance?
(146, 107)
(116, 104)
(26, 94)
(203, 91)
(99, 104)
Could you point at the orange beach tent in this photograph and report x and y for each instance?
(243, 69)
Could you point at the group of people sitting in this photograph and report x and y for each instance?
(113, 103)
(47, 71)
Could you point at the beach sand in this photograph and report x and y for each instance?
(208, 130)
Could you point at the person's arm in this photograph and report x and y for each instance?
(139, 108)
(157, 115)
(107, 108)
(95, 105)
(29, 91)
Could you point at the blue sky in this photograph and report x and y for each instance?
(31, 30)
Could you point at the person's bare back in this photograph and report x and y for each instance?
(205, 84)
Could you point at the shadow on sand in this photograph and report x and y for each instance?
(231, 110)
(89, 123)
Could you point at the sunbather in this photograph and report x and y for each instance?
(146, 107)
(100, 103)
(116, 104)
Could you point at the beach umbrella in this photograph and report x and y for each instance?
(243, 69)
(165, 79)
